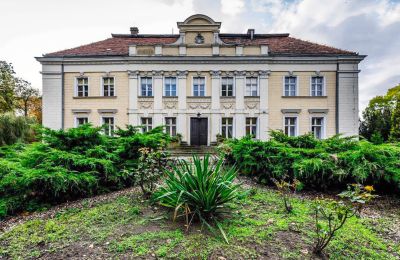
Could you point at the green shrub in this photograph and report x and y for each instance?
(15, 129)
(199, 190)
(319, 164)
(70, 164)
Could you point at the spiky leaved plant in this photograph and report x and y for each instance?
(199, 190)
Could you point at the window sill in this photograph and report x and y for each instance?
(251, 96)
(149, 97)
(95, 97)
(170, 97)
(227, 97)
(304, 96)
(198, 97)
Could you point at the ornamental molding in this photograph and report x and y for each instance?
(252, 105)
(170, 104)
(215, 73)
(199, 103)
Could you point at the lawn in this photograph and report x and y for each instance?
(124, 225)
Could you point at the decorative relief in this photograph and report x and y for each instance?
(199, 103)
(170, 104)
(228, 103)
(146, 103)
(215, 73)
(252, 103)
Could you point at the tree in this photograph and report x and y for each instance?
(7, 86)
(378, 116)
(35, 110)
(25, 94)
(395, 123)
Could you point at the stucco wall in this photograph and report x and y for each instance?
(95, 101)
(303, 102)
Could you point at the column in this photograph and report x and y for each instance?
(215, 104)
(240, 121)
(263, 118)
(158, 94)
(133, 97)
(182, 126)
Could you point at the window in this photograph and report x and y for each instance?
(227, 87)
(170, 87)
(81, 121)
(199, 86)
(82, 88)
(317, 127)
(251, 86)
(108, 124)
(146, 84)
(317, 86)
(291, 126)
(108, 86)
(251, 126)
(290, 86)
(227, 127)
(170, 125)
(147, 123)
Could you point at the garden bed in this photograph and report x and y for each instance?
(124, 225)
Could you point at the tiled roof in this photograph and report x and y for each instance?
(282, 44)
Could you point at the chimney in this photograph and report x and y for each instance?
(250, 32)
(134, 31)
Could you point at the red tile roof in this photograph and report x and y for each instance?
(281, 44)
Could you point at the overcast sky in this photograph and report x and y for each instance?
(30, 28)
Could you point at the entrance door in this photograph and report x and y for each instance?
(198, 131)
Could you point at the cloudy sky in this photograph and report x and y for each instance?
(30, 28)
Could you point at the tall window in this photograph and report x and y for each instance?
(108, 124)
(199, 87)
(251, 86)
(147, 124)
(290, 86)
(317, 86)
(170, 87)
(227, 87)
(108, 86)
(227, 127)
(170, 125)
(146, 84)
(291, 126)
(251, 126)
(82, 88)
(317, 127)
(81, 121)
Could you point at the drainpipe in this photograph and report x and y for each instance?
(337, 99)
(62, 96)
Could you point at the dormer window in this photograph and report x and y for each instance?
(199, 39)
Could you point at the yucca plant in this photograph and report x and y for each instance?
(199, 190)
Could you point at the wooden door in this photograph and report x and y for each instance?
(198, 131)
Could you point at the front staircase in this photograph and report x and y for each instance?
(184, 150)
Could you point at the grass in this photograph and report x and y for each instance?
(127, 226)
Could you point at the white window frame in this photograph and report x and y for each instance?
(102, 123)
(297, 123)
(257, 126)
(176, 125)
(283, 85)
(78, 117)
(233, 126)
(205, 85)
(323, 124)
(152, 86)
(233, 86)
(258, 86)
(323, 86)
(76, 86)
(147, 125)
(102, 86)
(164, 86)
